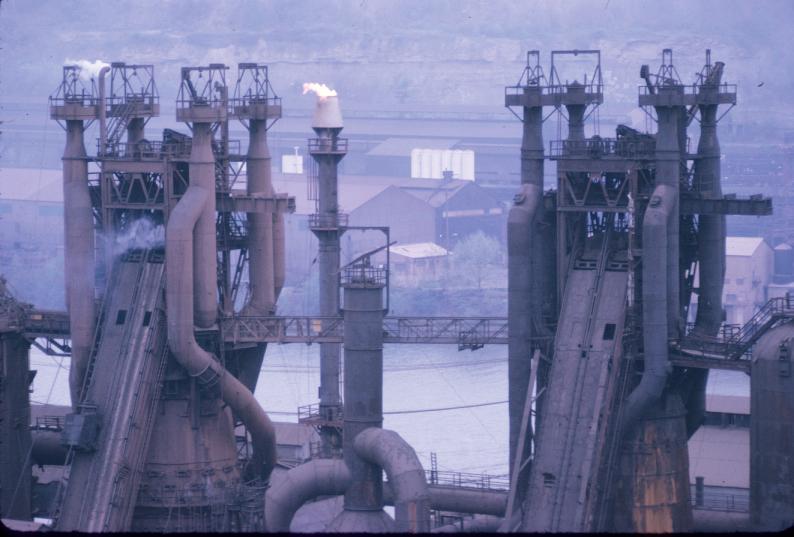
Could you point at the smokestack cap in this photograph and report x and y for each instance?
(327, 114)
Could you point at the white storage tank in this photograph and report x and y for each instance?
(416, 162)
(467, 161)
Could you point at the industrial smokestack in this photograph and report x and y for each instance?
(327, 114)
(327, 224)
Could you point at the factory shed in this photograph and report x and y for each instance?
(417, 262)
(461, 208)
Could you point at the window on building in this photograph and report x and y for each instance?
(739, 281)
(730, 298)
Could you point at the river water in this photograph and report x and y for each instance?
(416, 377)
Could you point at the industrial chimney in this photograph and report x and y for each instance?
(328, 224)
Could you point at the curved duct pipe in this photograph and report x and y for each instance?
(318, 477)
(478, 524)
(79, 261)
(181, 338)
(47, 448)
(521, 303)
(459, 500)
(398, 459)
(654, 305)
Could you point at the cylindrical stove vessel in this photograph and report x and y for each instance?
(205, 265)
(772, 428)
(652, 494)
(78, 254)
(363, 343)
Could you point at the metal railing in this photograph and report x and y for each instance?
(328, 221)
(713, 498)
(50, 423)
(735, 344)
(464, 480)
(364, 276)
(692, 89)
(328, 145)
(156, 150)
(466, 332)
(595, 148)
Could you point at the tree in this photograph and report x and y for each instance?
(475, 255)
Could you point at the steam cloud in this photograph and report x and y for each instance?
(141, 233)
(322, 91)
(88, 70)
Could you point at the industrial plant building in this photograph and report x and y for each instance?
(626, 403)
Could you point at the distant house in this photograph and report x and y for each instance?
(748, 272)
(414, 263)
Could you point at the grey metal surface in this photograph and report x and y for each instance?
(406, 476)
(571, 429)
(319, 477)
(181, 338)
(126, 372)
(656, 306)
(772, 430)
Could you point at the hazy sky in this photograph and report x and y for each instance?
(379, 52)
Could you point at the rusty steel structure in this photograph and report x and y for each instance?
(606, 380)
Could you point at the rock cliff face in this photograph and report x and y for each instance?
(381, 54)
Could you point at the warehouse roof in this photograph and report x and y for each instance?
(418, 250)
(402, 146)
(742, 246)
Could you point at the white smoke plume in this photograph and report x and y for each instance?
(141, 233)
(322, 91)
(88, 70)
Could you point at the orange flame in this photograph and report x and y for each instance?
(322, 91)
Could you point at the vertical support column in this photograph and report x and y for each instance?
(363, 337)
(78, 254)
(15, 439)
(260, 228)
(523, 296)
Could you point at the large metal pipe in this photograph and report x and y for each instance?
(398, 459)
(78, 255)
(668, 162)
(279, 253)
(318, 477)
(711, 243)
(459, 500)
(205, 265)
(575, 94)
(655, 297)
(520, 305)
(476, 524)
(260, 225)
(102, 115)
(47, 448)
(181, 338)
(523, 302)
